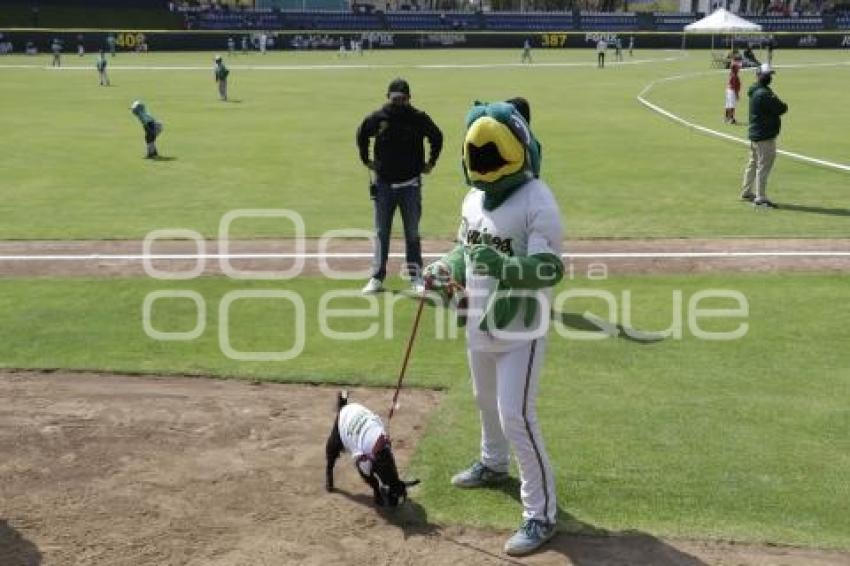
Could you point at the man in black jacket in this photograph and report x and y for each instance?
(765, 123)
(399, 130)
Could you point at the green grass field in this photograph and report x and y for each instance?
(287, 141)
(741, 440)
(744, 440)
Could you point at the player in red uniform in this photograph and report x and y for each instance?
(733, 90)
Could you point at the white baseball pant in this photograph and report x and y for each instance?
(505, 385)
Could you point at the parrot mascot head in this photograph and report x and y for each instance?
(500, 154)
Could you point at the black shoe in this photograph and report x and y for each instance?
(764, 202)
(748, 196)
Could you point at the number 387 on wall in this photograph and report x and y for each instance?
(553, 39)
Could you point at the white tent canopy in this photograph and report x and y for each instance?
(722, 21)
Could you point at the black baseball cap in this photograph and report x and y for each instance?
(398, 87)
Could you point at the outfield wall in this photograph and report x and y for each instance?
(217, 40)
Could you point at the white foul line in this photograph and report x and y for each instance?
(341, 67)
(729, 137)
(365, 255)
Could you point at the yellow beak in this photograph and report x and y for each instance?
(511, 153)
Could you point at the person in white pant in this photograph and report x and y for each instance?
(601, 48)
(508, 258)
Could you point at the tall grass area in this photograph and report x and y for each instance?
(287, 141)
(743, 440)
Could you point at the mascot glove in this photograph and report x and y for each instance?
(486, 261)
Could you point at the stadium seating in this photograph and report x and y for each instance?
(673, 21)
(604, 21)
(783, 23)
(330, 20)
(529, 21)
(843, 21)
(408, 20)
(224, 19)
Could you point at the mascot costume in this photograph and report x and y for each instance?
(507, 260)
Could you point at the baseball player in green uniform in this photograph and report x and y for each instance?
(221, 73)
(508, 258)
(56, 48)
(526, 51)
(152, 127)
(101, 69)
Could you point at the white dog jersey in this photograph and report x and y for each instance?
(527, 223)
(360, 430)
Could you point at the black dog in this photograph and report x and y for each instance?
(359, 431)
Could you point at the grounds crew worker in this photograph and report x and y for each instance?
(765, 110)
(399, 130)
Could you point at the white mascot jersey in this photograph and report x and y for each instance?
(527, 223)
(359, 430)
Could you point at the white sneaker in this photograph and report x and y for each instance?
(417, 285)
(373, 286)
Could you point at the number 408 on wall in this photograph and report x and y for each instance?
(129, 40)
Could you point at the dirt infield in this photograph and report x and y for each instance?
(121, 470)
(122, 258)
(129, 470)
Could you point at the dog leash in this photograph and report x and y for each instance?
(455, 286)
(409, 348)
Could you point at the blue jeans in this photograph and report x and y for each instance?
(409, 201)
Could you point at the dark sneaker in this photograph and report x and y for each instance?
(478, 475)
(766, 203)
(531, 535)
(748, 196)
